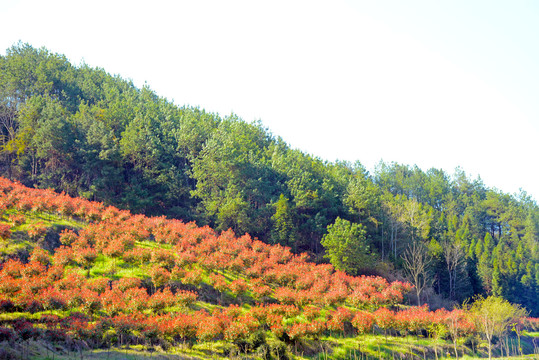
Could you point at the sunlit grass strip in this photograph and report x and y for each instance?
(380, 347)
(115, 268)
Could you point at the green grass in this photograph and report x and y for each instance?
(31, 217)
(152, 245)
(115, 268)
(20, 241)
(378, 346)
(364, 347)
(40, 350)
(15, 244)
(32, 316)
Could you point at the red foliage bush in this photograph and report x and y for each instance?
(238, 287)
(193, 277)
(385, 318)
(137, 256)
(161, 299)
(413, 319)
(241, 328)
(298, 330)
(41, 256)
(338, 318)
(159, 275)
(99, 285)
(363, 322)
(63, 256)
(5, 231)
(311, 312)
(127, 283)
(210, 327)
(37, 230)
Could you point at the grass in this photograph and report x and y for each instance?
(370, 346)
(15, 244)
(19, 240)
(115, 268)
(380, 347)
(152, 245)
(33, 217)
(41, 350)
(363, 347)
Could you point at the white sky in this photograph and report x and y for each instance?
(437, 84)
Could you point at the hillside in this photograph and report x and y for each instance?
(114, 280)
(82, 131)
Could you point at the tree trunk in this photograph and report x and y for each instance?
(450, 285)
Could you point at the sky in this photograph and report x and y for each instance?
(427, 83)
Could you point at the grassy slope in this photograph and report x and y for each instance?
(21, 243)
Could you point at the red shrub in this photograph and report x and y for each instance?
(241, 328)
(338, 318)
(41, 256)
(161, 299)
(127, 283)
(98, 285)
(63, 256)
(311, 312)
(210, 327)
(193, 277)
(412, 319)
(159, 275)
(5, 231)
(238, 287)
(363, 322)
(37, 230)
(385, 318)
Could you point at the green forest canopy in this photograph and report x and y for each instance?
(80, 130)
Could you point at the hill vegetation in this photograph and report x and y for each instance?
(114, 280)
(82, 131)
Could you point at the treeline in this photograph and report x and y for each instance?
(80, 130)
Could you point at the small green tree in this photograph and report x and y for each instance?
(494, 316)
(283, 226)
(347, 247)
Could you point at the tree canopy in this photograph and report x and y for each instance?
(346, 246)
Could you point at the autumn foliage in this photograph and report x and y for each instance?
(289, 296)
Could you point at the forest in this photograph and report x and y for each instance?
(89, 134)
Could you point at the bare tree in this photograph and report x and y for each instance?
(454, 258)
(416, 266)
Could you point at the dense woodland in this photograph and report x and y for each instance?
(80, 130)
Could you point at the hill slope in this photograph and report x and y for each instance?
(93, 135)
(117, 279)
